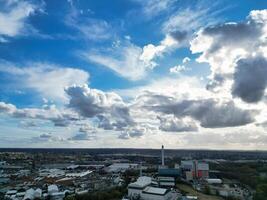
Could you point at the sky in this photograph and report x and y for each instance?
(189, 74)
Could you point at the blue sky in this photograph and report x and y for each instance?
(133, 73)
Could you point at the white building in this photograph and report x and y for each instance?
(135, 189)
(121, 167)
(153, 193)
(142, 189)
(52, 189)
(166, 181)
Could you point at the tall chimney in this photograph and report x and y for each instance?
(141, 170)
(162, 156)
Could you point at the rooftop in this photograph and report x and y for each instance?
(155, 190)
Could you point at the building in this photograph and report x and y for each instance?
(135, 189)
(121, 167)
(144, 188)
(192, 169)
(169, 172)
(154, 193)
(166, 182)
(163, 170)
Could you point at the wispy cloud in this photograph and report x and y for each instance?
(125, 59)
(14, 16)
(89, 27)
(49, 80)
(152, 8)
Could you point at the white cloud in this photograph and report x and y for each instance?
(13, 18)
(83, 136)
(133, 132)
(90, 28)
(170, 123)
(124, 59)
(178, 69)
(186, 60)
(178, 29)
(151, 52)
(47, 137)
(228, 46)
(151, 8)
(58, 117)
(47, 79)
(190, 19)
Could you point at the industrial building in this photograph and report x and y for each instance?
(146, 188)
(193, 169)
(163, 170)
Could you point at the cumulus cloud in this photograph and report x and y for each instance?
(186, 60)
(47, 79)
(177, 69)
(232, 139)
(178, 29)
(228, 46)
(58, 117)
(170, 123)
(47, 137)
(108, 107)
(171, 41)
(82, 136)
(250, 79)
(209, 112)
(132, 132)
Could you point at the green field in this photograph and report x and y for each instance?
(193, 192)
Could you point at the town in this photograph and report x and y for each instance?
(122, 176)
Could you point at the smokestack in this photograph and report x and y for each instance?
(141, 170)
(162, 156)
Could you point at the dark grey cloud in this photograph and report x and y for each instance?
(250, 79)
(232, 34)
(134, 132)
(83, 136)
(51, 113)
(173, 124)
(47, 137)
(85, 101)
(179, 36)
(209, 112)
(108, 108)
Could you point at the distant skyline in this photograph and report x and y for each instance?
(189, 74)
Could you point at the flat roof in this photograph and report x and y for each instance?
(155, 191)
(141, 182)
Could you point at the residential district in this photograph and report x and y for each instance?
(126, 176)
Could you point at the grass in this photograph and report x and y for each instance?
(201, 196)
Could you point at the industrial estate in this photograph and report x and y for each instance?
(125, 174)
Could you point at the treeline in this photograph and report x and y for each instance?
(112, 194)
(248, 174)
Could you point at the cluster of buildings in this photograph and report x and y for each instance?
(55, 182)
(21, 178)
(148, 189)
(163, 185)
